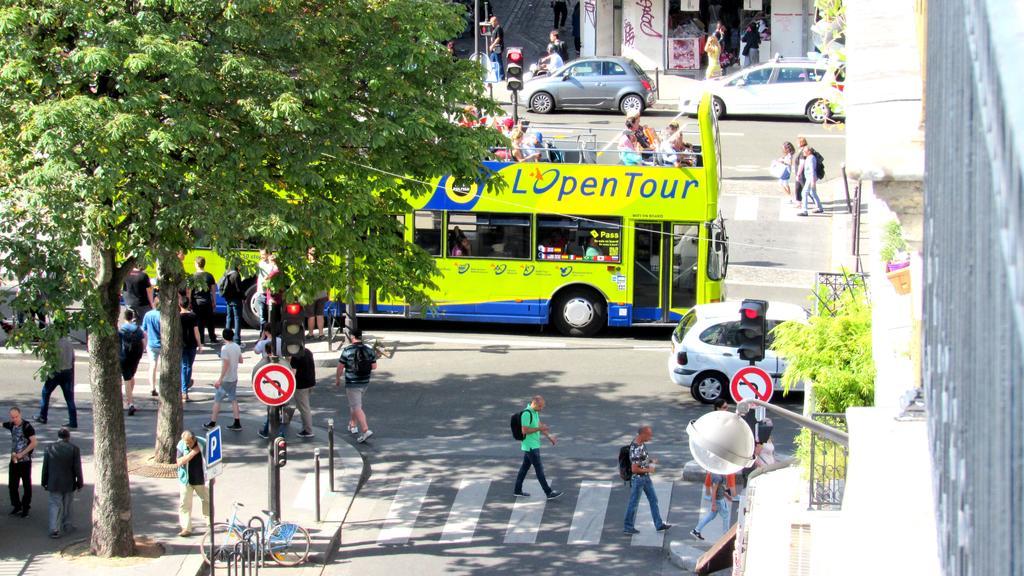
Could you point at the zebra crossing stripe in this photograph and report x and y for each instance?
(401, 518)
(746, 208)
(588, 518)
(787, 211)
(526, 515)
(465, 512)
(648, 536)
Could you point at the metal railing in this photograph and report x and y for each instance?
(830, 287)
(827, 479)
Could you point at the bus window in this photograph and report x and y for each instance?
(427, 231)
(685, 238)
(487, 235)
(581, 239)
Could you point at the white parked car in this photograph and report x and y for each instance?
(704, 357)
(782, 87)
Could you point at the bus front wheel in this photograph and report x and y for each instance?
(579, 313)
(250, 308)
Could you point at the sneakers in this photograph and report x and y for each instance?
(185, 533)
(154, 393)
(39, 420)
(353, 429)
(664, 527)
(55, 534)
(210, 425)
(554, 494)
(16, 511)
(70, 425)
(521, 494)
(308, 434)
(131, 409)
(819, 211)
(696, 535)
(236, 426)
(801, 213)
(630, 531)
(262, 434)
(364, 436)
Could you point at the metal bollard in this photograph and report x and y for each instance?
(330, 452)
(316, 477)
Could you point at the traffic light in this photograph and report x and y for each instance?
(753, 328)
(514, 68)
(293, 330)
(280, 452)
(486, 28)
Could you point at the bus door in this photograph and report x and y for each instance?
(684, 258)
(665, 256)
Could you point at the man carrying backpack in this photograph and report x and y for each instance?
(357, 362)
(133, 344)
(642, 466)
(812, 173)
(531, 430)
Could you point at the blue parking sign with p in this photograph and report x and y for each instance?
(214, 451)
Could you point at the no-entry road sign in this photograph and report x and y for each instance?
(751, 383)
(274, 384)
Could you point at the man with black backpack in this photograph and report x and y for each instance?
(530, 430)
(357, 362)
(230, 287)
(641, 468)
(814, 170)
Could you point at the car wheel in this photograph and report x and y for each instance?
(579, 313)
(708, 387)
(542, 103)
(631, 103)
(251, 308)
(718, 107)
(819, 111)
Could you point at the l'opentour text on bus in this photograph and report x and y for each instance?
(580, 246)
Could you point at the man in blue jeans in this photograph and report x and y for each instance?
(64, 378)
(642, 466)
(718, 493)
(532, 429)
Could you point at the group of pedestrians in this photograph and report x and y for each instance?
(799, 170)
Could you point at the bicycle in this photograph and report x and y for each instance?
(286, 542)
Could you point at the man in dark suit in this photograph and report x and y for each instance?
(62, 477)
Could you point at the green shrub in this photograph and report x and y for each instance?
(892, 241)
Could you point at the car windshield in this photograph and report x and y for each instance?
(688, 322)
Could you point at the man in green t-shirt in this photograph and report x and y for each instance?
(532, 429)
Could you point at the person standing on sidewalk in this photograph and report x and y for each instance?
(138, 293)
(62, 477)
(234, 296)
(357, 362)
(561, 10)
(305, 379)
(190, 344)
(559, 45)
(810, 168)
(132, 340)
(719, 496)
(192, 480)
(532, 429)
(151, 326)
(642, 466)
(226, 385)
(64, 378)
(204, 297)
(497, 48)
(23, 442)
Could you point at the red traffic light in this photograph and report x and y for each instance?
(515, 56)
(750, 313)
(293, 309)
(281, 443)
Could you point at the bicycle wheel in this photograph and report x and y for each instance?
(225, 537)
(288, 544)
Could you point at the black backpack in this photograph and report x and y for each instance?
(625, 464)
(517, 424)
(819, 168)
(362, 361)
(554, 154)
(131, 344)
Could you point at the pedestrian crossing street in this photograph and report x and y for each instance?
(450, 511)
(759, 208)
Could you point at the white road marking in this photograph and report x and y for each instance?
(648, 536)
(535, 343)
(526, 515)
(788, 211)
(588, 517)
(405, 508)
(746, 208)
(465, 512)
(819, 136)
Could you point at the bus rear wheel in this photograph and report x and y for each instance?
(250, 308)
(579, 312)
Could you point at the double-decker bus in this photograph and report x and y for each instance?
(577, 245)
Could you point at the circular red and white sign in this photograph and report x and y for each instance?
(751, 383)
(274, 384)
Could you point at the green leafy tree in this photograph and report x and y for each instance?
(127, 128)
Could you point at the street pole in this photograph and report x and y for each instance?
(476, 29)
(273, 472)
(515, 107)
(213, 541)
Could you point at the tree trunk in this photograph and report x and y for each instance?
(171, 413)
(112, 505)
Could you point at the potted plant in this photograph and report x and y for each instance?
(897, 257)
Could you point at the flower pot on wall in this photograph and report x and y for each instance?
(900, 279)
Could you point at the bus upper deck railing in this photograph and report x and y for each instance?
(584, 145)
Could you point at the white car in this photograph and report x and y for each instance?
(704, 357)
(782, 87)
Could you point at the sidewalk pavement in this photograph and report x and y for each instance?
(155, 500)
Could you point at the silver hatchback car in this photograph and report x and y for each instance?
(610, 83)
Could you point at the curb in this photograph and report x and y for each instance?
(346, 503)
(684, 556)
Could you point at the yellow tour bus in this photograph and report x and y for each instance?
(580, 246)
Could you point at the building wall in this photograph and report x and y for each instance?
(973, 357)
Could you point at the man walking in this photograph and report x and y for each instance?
(192, 480)
(497, 48)
(132, 339)
(561, 10)
(63, 377)
(357, 362)
(138, 293)
(23, 442)
(62, 477)
(810, 168)
(532, 429)
(719, 496)
(226, 386)
(233, 294)
(305, 380)
(204, 296)
(642, 466)
(151, 326)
